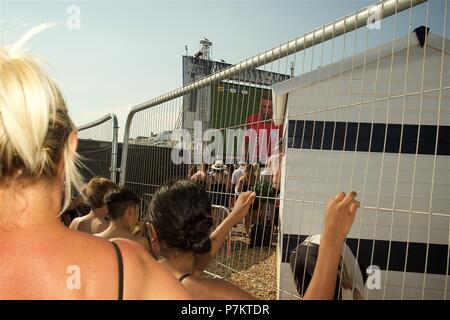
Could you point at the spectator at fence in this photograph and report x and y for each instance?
(180, 223)
(229, 173)
(122, 206)
(96, 221)
(261, 129)
(201, 176)
(247, 180)
(40, 257)
(272, 171)
(191, 171)
(180, 232)
(349, 278)
(219, 184)
(237, 174)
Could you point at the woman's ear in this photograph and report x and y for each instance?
(73, 144)
(73, 141)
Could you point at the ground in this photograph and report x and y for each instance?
(252, 269)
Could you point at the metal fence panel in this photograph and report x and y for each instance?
(356, 108)
(98, 147)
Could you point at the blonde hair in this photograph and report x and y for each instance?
(34, 123)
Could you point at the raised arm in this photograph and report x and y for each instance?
(340, 214)
(219, 235)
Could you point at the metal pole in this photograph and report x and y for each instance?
(115, 140)
(114, 151)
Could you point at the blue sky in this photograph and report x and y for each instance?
(127, 52)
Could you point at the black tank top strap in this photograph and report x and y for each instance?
(184, 276)
(120, 264)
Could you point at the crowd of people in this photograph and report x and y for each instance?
(225, 183)
(163, 258)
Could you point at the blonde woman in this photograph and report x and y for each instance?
(40, 257)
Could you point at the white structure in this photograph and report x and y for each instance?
(337, 119)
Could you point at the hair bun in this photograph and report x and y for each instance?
(201, 243)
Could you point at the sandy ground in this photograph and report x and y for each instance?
(250, 268)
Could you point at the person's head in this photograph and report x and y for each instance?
(180, 215)
(218, 168)
(255, 169)
(95, 191)
(242, 164)
(37, 137)
(248, 171)
(204, 167)
(191, 170)
(303, 261)
(122, 204)
(266, 109)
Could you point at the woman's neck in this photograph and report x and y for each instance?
(98, 213)
(28, 206)
(181, 263)
(118, 225)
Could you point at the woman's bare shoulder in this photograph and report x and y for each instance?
(90, 246)
(146, 278)
(143, 277)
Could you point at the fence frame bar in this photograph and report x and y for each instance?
(115, 140)
(341, 26)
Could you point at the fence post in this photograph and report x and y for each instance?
(114, 143)
(114, 151)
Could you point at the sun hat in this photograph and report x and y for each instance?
(218, 165)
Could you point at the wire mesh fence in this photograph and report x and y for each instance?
(362, 103)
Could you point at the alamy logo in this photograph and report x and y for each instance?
(374, 277)
(73, 282)
(73, 22)
(208, 146)
(374, 19)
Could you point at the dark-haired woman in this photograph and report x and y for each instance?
(180, 231)
(180, 223)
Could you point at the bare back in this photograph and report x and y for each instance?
(113, 234)
(74, 265)
(89, 224)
